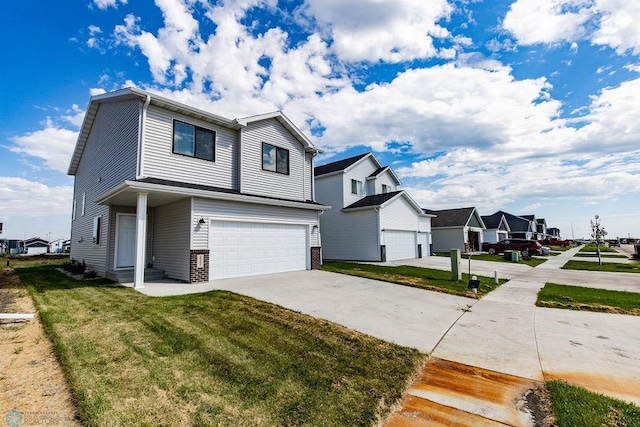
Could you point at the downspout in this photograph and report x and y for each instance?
(377, 211)
(141, 134)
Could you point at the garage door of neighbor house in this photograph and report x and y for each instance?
(247, 248)
(400, 244)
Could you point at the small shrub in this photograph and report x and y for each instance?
(74, 267)
(90, 274)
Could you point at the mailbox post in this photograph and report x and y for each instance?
(456, 272)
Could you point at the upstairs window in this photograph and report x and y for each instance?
(385, 189)
(357, 187)
(193, 141)
(275, 159)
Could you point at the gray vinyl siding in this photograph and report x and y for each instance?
(255, 180)
(249, 212)
(360, 171)
(399, 215)
(171, 239)
(445, 239)
(108, 159)
(308, 176)
(350, 235)
(159, 161)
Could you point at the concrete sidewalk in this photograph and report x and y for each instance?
(505, 332)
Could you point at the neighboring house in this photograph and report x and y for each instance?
(371, 219)
(461, 228)
(553, 232)
(536, 234)
(194, 195)
(521, 228)
(35, 246)
(59, 245)
(497, 228)
(4, 245)
(541, 229)
(15, 246)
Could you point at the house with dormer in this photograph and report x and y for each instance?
(371, 218)
(162, 188)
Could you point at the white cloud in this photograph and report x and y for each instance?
(548, 21)
(33, 199)
(52, 144)
(619, 27)
(105, 4)
(611, 23)
(370, 30)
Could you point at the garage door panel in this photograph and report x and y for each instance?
(242, 249)
(400, 245)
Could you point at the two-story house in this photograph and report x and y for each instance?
(162, 184)
(371, 218)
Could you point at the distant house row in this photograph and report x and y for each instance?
(33, 246)
(165, 189)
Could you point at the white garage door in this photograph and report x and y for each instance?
(35, 250)
(247, 248)
(400, 245)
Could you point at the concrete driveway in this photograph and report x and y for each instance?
(400, 314)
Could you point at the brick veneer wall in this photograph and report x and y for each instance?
(316, 258)
(199, 274)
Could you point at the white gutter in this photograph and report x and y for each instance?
(206, 194)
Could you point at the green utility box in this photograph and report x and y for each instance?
(456, 271)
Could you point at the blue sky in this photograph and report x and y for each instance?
(528, 106)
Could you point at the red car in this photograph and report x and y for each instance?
(561, 243)
(525, 247)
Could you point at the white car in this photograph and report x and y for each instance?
(546, 250)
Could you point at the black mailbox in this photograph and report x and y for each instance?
(473, 284)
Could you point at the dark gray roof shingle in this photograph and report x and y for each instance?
(337, 165)
(450, 217)
(373, 200)
(492, 221)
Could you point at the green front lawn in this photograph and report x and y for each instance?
(211, 359)
(417, 277)
(589, 299)
(495, 258)
(612, 267)
(591, 247)
(577, 407)
(602, 255)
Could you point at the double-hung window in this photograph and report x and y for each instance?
(194, 141)
(275, 159)
(357, 187)
(385, 189)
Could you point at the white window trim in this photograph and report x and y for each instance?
(73, 214)
(359, 187)
(84, 199)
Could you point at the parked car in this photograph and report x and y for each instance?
(559, 242)
(524, 246)
(614, 242)
(546, 250)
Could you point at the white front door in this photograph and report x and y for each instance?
(126, 241)
(247, 248)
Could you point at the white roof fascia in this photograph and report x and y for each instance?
(287, 123)
(205, 194)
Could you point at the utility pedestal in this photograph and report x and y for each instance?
(456, 272)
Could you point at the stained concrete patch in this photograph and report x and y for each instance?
(449, 393)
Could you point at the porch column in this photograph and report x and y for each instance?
(141, 241)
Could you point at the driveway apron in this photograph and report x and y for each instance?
(506, 334)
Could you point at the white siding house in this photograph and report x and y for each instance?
(371, 219)
(190, 195)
